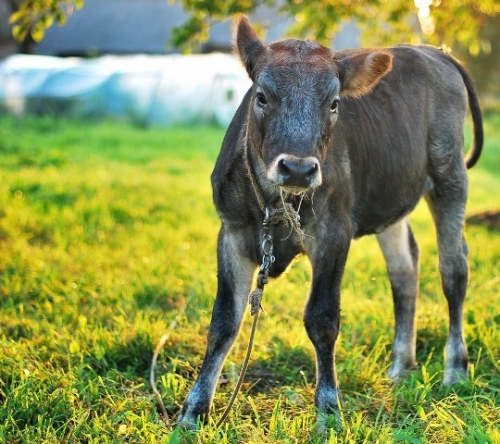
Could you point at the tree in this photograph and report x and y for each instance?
(438, 22)
(484, 65)
(32, 17)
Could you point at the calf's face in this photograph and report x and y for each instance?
(297, 87)
(294, 107)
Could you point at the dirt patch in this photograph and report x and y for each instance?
(489, 219)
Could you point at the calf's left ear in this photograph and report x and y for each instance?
(360, 70)
(247, 45)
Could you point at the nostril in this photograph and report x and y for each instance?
(285, 166)
(313, 169)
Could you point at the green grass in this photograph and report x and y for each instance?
(107, 241)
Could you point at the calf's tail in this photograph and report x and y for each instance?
(477, 117)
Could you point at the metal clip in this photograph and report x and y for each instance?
(267, 244)
(266, 220)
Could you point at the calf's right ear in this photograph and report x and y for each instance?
(247, 45)
(361, 69)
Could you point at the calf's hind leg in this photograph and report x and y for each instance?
(401, 255)
(447, 206)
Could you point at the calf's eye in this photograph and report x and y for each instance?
(335, 106)
(261, 100)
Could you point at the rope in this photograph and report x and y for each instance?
(290, 218)
(287, 213)
(255, 299)
(255, 307)
(251, 175)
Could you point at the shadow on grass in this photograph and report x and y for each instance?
(131, 357)
(283, 366)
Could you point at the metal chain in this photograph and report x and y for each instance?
(267, 243)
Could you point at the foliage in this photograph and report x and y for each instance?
(382, 22)
(390, 21)
(107, 241)
(33, 17)
(482, 65)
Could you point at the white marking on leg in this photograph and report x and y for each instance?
(243, 269)
(403, 272)
(396, 248)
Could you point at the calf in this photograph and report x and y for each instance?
(348, 142)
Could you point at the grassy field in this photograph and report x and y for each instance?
(107, 241)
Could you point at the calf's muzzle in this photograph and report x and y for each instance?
(295, 174)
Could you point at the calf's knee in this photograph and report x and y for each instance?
(322, 326)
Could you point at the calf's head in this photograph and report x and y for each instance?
(297, 88)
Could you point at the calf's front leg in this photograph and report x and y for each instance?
(322, 322)
(235, 272)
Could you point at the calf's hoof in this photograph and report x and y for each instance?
(400, 370)
(328, 410)
(190, 418)
(455, 376)
(456, 367)
(326, 422)
(185, 423)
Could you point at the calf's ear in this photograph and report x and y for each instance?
(360, 70)
(247, 45)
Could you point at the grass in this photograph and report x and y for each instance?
(107, 241)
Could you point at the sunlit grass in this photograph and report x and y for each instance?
(107, 241)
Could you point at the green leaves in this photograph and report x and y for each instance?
(454, 22)
(203, 13)
(194, 30)
(34, 16)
